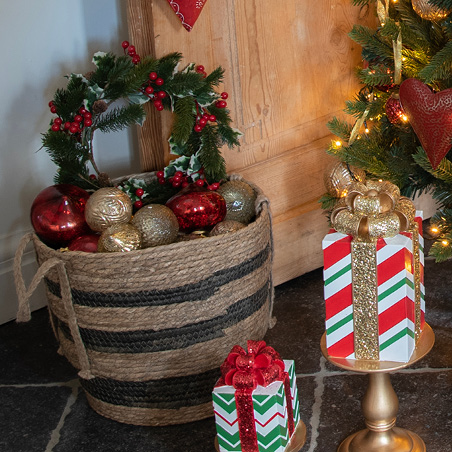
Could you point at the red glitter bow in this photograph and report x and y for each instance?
(262, 365)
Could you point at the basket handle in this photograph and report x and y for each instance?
(24, 294)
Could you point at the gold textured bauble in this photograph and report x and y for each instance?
(158, 225)
(427, 11)
(240, 199)
(119, 237)
(108, 206)
(338, 176)
(224, 227)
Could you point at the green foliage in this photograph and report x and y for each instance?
(391, 150)
(187, 93)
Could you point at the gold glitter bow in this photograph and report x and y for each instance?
(373, 210)
(370, 211)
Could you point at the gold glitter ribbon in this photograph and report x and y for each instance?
(357, 126)
(371, 211)
(397, 48)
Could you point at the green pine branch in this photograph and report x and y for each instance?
(184, 119)
(210, 156)
(120, 117)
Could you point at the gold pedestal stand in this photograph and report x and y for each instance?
(380, 403)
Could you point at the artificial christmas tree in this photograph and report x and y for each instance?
(397, 138)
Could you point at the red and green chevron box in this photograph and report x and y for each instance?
(269, 412)
(396, 295)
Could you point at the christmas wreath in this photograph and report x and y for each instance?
(111, 98)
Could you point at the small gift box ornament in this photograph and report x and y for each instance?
(256, 400)
(374, 275)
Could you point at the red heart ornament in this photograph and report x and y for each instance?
(187, 11)
(430, 115)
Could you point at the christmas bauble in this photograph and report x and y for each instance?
(196, 208)
(339, 175)
(119, 237)
(226, 226)
(429, 115)
(58, 214)
(108, 206)
(87, 243)
(158, 225)
(240, 199)
(428, 11)
(394, 110)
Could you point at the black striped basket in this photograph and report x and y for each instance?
(148, 329)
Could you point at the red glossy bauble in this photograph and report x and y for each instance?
(197, 209)
(58, 214)
(86, 243)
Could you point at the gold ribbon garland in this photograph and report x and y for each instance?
(370, 211)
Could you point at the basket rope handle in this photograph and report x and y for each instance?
(24, 294)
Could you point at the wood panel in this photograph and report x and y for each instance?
(289, 69)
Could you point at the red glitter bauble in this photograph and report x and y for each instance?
(394, 110)
(58, 214)
(86, 243)
(197, 209)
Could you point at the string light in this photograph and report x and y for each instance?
(445, 242)
(404, 118)
(434, 229)
(338, 143)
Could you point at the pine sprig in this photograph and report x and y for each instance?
(120, 118)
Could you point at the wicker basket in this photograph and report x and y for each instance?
(148, 329)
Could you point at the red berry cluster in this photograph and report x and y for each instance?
(153, 92)
(182, 180)
(131, 51)
(81, 120)
(139, 204)
(201, 70)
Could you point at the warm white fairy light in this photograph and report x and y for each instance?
(404, 118)
(338, 143)
(445, 242)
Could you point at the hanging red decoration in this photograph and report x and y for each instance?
(394, 110)
(58, 214)
(197, 209)
(187, 11)
(430, 116)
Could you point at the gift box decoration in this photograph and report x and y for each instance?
(373, 275)
(255, 401)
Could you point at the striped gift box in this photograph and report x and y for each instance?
(270, 414)
(396, 295)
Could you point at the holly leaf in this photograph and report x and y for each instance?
(176, 148)
(179, 164)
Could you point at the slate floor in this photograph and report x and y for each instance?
(43, 409)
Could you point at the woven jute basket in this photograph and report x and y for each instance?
(148, 329)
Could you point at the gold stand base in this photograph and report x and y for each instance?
(397, 440)
(380, 403)
(296, 442)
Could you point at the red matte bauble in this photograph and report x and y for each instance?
(86, 243)
(58, 214)
(197, 209)
(430, 116)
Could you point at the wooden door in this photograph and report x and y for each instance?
(289, 69)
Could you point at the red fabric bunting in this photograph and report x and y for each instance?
(187, 11)
(261, 365)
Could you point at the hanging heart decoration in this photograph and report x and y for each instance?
(430, 115)
(187, 11)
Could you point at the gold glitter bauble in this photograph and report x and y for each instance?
(224, 227)
(240, 199)
(119, 237)
(158, 225)
(108, 206)
(338, 176)
(427, 11)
